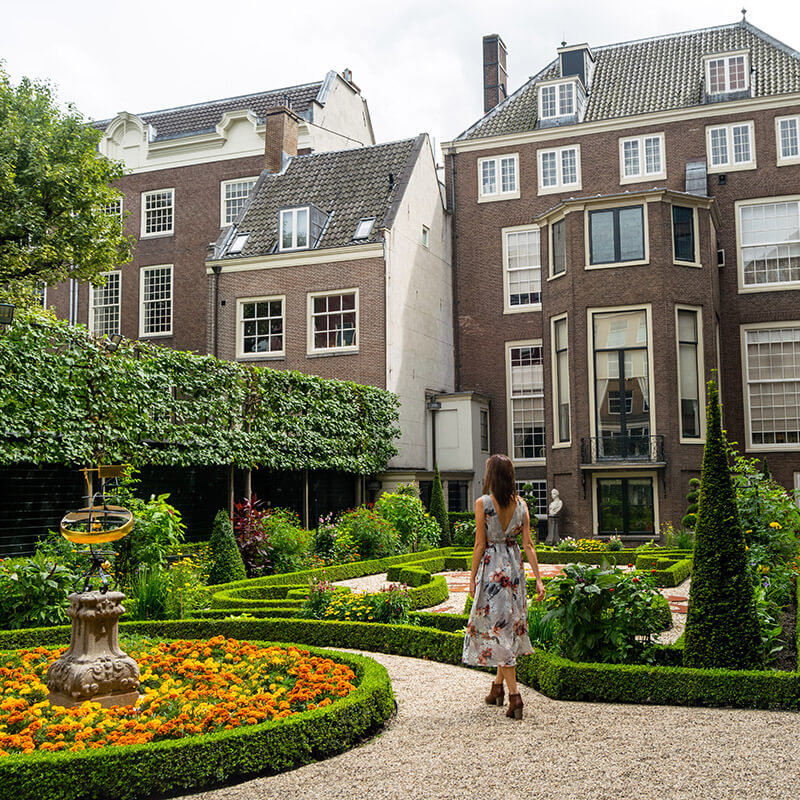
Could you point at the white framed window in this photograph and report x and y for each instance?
(727, 73)
(260, 327)
(691, 383)
(525, 379)
(559, 340)
(771, 357)
(155, 301)
(797, 488)
(557, 100)
(559, 169)
(730, 147)
(105, 303)
(114, 209)
(642, 158)
(158, 213)
(522, 263)
(294, 228)
(769, 244)
(787, 134)
(536, 495)
(233, 195)
(333, 321)
(426, 232)
(41, 294)
(498, 178)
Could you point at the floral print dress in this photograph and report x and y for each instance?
(497, 631)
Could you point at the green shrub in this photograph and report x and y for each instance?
(387, 606)
(290, 543)
(318, 598)
(438, 508)
(722, 628)
(464, 532)
(543, 632)
(372, 534)
(226, 560)
(148, 593)
(690, 519)
(413, 576)
(405, 512)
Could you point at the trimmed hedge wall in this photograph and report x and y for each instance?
(674, 574)
(143, 771)
(587, 557)
(411, 576)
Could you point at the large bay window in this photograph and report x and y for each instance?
(526, 400)
(616, 235)
(523, 268)
(772, 377)
(769, 236)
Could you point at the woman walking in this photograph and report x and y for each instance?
(497, 631)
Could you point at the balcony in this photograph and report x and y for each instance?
(629, 451)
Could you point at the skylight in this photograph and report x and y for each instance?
(238, 243)
(364, 228)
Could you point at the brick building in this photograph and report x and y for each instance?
(190, 169)
(338, 265)
(626, 223)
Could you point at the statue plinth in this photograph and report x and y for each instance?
(94, 667)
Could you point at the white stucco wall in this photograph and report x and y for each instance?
(419, 323)
(342, 122)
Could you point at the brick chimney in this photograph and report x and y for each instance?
(495, 76)
(280, 137)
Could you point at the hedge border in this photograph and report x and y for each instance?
(194, 762)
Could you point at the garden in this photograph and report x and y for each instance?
(233, 634)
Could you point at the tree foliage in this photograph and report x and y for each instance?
(65, 399)
(54, 187)
(226, 560)
(438, 507)
(722, 628)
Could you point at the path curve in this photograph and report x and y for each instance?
(445, 743)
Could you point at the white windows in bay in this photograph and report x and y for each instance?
(233, 196)
(730, 147)
(526, 400)
(769, 235)
(557, 100)
(294, 229)
(787, 131)
(728, 73)
(642, 158)
(333, 321)
(260, 327)
(561, 381)
(498, 178)
(559, 169)
(689, 372)
(523, 268)
(616, 235)
(104, 304)
(158, 212)
(155, 292)
(772, 371)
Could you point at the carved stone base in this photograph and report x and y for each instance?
(94, 667)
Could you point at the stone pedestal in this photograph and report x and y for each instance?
(94, 667)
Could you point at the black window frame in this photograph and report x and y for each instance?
(559, 253)
(676, 249)
(615, 212)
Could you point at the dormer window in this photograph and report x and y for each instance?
(301, 227)
(727, 73)
(557, 100)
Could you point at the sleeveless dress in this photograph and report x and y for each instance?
(497, 631)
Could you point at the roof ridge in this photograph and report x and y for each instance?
(674, 35)
(353, 149)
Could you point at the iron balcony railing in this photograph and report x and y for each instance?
(639, 449)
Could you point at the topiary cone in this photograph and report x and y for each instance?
(226, 560)
(722, 629)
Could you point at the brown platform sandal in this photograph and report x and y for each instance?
(514, 706)
(496, 696)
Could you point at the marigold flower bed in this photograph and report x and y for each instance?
(188, 687)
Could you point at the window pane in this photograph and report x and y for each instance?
(334, 321)
(790, 147)
(523, 268)
(569, 167)
(736, 75)
(719, 146)
(631, 234)
(683, 233)
(559, 248)
(287, 222)
(548, 95)
(775, 226)
(716, 75)
(488, 177)
(508, 174)
(549, 169)
(652, 155)
(302, 228)
(601, 226)
(741, 144)
(565, 99)
(630, 158)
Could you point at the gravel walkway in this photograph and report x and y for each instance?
(446, 744)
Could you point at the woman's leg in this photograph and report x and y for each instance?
(510, 675)
(499, 677)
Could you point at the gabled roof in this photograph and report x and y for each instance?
(347, 185)
(651, 75)
(203, 117)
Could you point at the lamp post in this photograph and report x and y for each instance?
(433, 405)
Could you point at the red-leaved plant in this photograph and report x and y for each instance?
(251, 535)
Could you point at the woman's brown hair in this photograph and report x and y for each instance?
(499, 479)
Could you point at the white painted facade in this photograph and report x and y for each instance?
(419, 311)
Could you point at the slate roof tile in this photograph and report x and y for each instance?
(651, 75)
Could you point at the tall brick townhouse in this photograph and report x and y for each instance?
(189, 171)
(626, 223)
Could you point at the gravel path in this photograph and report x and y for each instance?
(446, 744)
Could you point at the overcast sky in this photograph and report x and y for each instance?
(417, 63)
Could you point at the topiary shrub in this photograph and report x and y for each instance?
(226, 560)
(722, 628)
(690, 520)
(438, 509)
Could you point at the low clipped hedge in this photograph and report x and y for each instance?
(650, 559)
(143, 771)
(411, 576)
(670, 573)
(585, 557)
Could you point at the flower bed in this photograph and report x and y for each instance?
(233, 745)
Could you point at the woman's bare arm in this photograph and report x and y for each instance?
(530, 551)
(480, 544)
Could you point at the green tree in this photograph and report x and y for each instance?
(226, 560)
(722, 628)
(690, 520)
(54, 189)
(438, 509)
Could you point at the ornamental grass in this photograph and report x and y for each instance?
(188, 687)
